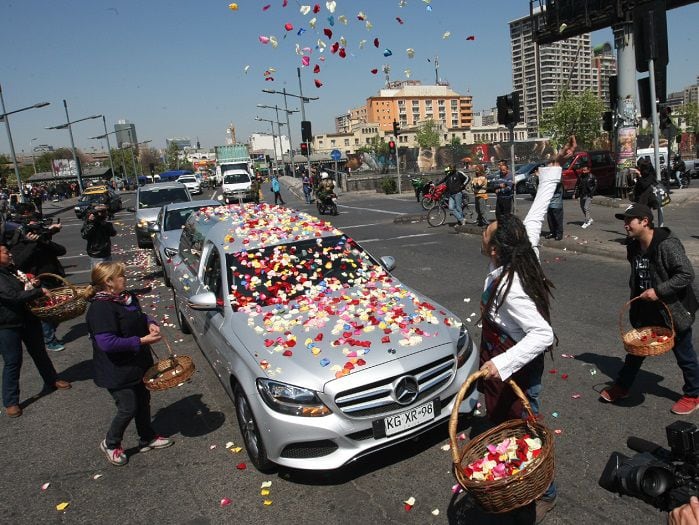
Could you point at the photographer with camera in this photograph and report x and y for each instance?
(35, 253)
(98, 233)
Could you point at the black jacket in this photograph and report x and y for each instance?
(98, 236)
(37, 257)
(13, 300)
(670, 274)
(455, 182)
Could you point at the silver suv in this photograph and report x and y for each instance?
(326, 355)
(149, 199)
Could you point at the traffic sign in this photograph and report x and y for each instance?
(335, 155)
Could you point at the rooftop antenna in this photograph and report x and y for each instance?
(387, 71)
(436, 70)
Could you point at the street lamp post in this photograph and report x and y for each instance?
(69, 125)
(288, 129)
(109, 146)
(274, 144)
(31, 146)
(4, 116)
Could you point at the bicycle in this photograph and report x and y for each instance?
(438, 214)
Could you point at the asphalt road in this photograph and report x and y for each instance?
(56, 440)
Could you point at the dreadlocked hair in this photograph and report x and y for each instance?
(516, 255)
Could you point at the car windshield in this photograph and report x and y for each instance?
(567, 163)
(186, 179)
(527, 168)
(236, 178)
(175, 219)
(159, 197)
(100, 198)
(301, 271)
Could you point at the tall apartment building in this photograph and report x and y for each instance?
(604, 66)
(540, 74)
(125, 133)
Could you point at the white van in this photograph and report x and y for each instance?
(650, 152)
(237, 186)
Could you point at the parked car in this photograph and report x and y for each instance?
(326, 356)
(602, 166)
(167, 229)
(521, 176)
(98, 195)
(149, 199)
(193, 184)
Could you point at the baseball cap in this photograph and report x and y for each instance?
(636, 210)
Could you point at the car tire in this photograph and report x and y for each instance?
(521, 188)
(181, 321)
(251, 433)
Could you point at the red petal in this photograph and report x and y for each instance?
(316, 69)
(241, 466)
(319, 337)
(316, 8)
(376, 42)
(328, 32)
(318, 83)
(342, 52)
(287, 353)
(385, 339)
(266, 7)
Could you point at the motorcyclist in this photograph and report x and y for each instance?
(326, 188)
(678, 168)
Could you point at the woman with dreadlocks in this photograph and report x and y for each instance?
(515, 310)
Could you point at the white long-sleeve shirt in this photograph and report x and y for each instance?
(517, 315)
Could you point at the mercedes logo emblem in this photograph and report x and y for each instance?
(405, 390)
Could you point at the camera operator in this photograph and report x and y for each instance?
(34, 252)
(98, 231)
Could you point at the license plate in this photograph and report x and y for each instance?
(411, 418)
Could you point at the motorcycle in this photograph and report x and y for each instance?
(421, 186)
(433, 196)
(670, 178)
(327, 204)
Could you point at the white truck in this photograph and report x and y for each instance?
(234, 172)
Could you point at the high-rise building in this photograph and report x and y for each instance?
(604, 64)
(125, 133)
(541, 73)
(230, 134)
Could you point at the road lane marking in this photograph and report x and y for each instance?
(370, 209)
(361, 241)
(363, 225)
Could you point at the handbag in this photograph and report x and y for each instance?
(661, 195)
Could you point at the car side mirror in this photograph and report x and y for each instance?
(131, 209)
(388, 262)
(203, 301)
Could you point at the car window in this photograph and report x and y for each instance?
(212, 275)
(278, 274)
(236, 178)
(175, 219)
(186, 179)
(190, 247)
(156, 197)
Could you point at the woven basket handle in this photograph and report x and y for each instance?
(58, 278)
(454, 419)
(628, 305)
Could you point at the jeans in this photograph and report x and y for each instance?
(278, 198)
(455, 204)
(503, 206)
(481, 208)
(131, 402)
(686, 359)
(49, 331)
(585, 203)
(307, 194)
(555, 220)
(11, 347)
(533, 393)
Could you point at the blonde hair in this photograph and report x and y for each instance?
(101, 273)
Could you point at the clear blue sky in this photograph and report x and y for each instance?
(176, 68)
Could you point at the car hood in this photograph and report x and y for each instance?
(147, 214)
(346, 332)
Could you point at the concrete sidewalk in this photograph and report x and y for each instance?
(605, 237)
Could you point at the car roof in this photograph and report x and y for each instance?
(190, 204)
(161, 186)
(250, 226)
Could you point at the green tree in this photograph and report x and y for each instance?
(455, 142)
(689, 115)
(150, 156)
(573, 114)
(427, 135)
(172, 157)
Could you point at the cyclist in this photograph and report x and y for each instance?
(455, 181)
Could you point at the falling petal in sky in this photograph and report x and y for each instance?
(233, 7)
(427, 1)
(289, 26)
(368, 25)
(305, 9)
(331, 6)
(362, 43)
(407, 73)
(376, 42)
(342, 19)
(328, 32)
(273, 41)
(342, 52)
(387, 52)
(316, 69)
(429, 8)
(305, 61)
(331, 20)
(343, 41)
(402, 3)
(316, 8)
(263, 39)
(246, 69)
(312, 22)
(399, 20)
(318, 83)
(266, 7)
(321, 44)
(285, 3)
(361, 16)
(446, 35)
(374, 71)
(471, 37)
(300, 31)
(563, 27)
(411, 52)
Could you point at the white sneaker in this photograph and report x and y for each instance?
(115, 456)
(158, 442)
(586, 223)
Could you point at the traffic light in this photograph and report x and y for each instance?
(392, 147)
(304, 149)
(665, 114)
(396, 129)
(306, 135)
(608, 121)
(508, 109)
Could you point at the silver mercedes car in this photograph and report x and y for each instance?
(326, 356)
(167, 228)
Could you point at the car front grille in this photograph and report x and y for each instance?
(376, 399)
(311, 449)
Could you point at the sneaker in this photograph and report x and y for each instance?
(55, 346)
(686, 405)
(543, 507)
(158, 442)
(116, 456)
(586, 223)
(613, 393)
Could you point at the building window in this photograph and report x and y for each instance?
(346, 142)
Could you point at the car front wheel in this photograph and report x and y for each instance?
(251, 433)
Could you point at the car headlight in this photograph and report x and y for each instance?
(463, 347)
(292, 400)
(78, 208)
(170, 252)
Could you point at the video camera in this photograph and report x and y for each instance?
(98, 211)
(663, 478)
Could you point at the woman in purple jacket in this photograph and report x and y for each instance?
(121, 336)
